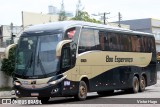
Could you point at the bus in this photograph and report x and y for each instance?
(72, 58)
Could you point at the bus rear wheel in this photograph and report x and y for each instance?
(142, 84)
(135, 85)
(44, 100)
(82, 92)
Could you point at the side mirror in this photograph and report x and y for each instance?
(8, 48)
(60, 45)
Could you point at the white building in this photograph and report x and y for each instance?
(5, 34)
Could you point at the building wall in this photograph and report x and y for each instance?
(5, 39)
(156, 28)
(29, 18)
(5, 81)
(143, 25)
(148, 25)
(122, 25)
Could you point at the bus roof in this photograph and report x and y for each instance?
(63, 25)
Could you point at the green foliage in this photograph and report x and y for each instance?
(84, 16)
(62, 16)
(8, 65)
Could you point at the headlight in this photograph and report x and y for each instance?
(53, 82)
(17, 83)
(57, 81)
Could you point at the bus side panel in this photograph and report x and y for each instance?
(151, 71)
(117, 78)
(69, 88)
(121, 78)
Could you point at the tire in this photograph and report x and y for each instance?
(135, 85)
(104, 93)
(142, 84)
(44, 100)
(82, 91)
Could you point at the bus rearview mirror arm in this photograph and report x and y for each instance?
(60, 45)
(7, 49)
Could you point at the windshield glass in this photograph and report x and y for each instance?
(36, 55)
(24, 61)
(46, 61)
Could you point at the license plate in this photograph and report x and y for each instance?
(35, 94)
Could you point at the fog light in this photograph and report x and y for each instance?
(54, 91)
(17, 92)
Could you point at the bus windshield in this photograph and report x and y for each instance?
(36, 55)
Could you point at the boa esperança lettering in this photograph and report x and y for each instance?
(118, 59)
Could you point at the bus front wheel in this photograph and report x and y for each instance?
(82, 91)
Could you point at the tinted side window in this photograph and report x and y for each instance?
(113, 41)
(153, 45)
(145, 42)
(97, 40)
(102, 40)
(136, 44)
(87, 40)
(125, 43)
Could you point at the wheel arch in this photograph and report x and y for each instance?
(137, 75)
(86, 80)
(145, 76)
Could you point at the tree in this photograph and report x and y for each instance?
(79, 8)
(8, 65)
(84, 16)
(62, 13)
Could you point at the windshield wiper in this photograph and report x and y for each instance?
(41, 65)
(28, 65)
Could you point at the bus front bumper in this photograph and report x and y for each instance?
(48, 91)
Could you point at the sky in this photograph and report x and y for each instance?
(10, 10)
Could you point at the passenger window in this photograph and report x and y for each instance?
(70, 33)
(136, 47)
(125, 43)
(113, 41)
(97, 42)
(153, 45)
(102, 40)
(145, 44)
(87, 41)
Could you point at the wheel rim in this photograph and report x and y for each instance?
(136, 85)
(82, 91)
(143, 83)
